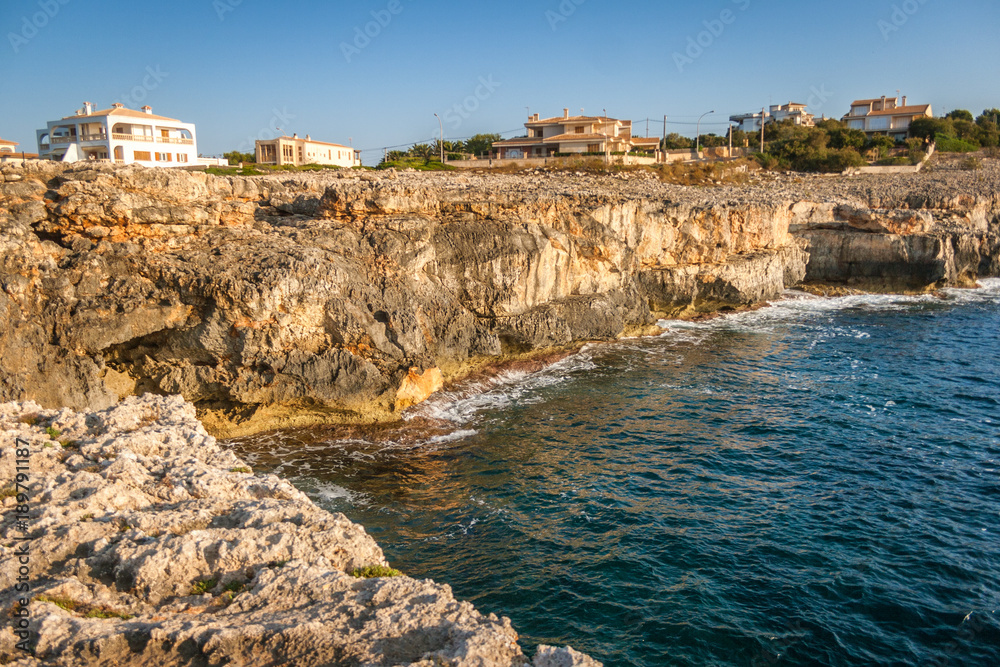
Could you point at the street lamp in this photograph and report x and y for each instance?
(441, 125)
(697, 141)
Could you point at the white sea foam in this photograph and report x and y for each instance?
(499, 392)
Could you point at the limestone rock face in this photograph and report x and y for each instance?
(151, 545)
(343, 296)
(276, 301)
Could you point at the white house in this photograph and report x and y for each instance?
(571, 134)
(793, 111)
(884, 115)
(297, 151)
(121, 135)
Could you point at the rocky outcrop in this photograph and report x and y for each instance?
(148, 544)
(900, 250)
(282, 300)
(274, 301)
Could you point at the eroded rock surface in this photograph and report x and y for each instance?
(151, 545)
(275, 301)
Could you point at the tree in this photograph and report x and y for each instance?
(926, 127)
(235, 157)
(989, 117)
(481, 144)
(843, 137)
(960, 114)
(675, 141)
(425, 151)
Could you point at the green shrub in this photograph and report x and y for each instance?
(53, 432)
(203, 586)
(375, 571)
(947, 144)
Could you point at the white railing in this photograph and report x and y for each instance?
(63, 140)
(175, 140)
(132, 137)
(93, 137)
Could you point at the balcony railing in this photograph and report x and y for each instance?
(175, 140)
(63, 140)
(44, 147)
(132, 137)
(93, 137)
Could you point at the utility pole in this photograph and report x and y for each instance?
(762, 129)
(647, 128)
(441, 125)
(664, 139)
(730, 140)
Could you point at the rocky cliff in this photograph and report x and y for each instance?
(274, 301)
(145, 543)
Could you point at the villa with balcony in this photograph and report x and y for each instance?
(886, 116)
(119, 135)
(793, 111)
(570, 134)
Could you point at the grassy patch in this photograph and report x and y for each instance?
(30, 420)
(375, 571)
(417, 163)
(86, 610)
(52, 432)
(203, 586)
(69, 444)
(242, 469)
(8, 492)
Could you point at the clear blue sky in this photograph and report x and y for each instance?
(238, 68)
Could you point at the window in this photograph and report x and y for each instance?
(593, 148)
(142, 155)
(287, 152)
(182, 157)
(579, 130)
(164, 157)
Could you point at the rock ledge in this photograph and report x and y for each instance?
(152, 545)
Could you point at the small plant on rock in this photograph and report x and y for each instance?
(52, 432)
(203, 586)
(242, 469)
(375, 571)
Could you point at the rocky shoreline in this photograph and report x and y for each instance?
(149, 544)
(345, 297)
(135, 296)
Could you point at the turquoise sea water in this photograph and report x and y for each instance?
(817, 482)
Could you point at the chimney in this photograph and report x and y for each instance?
(904, 100)
(565, 113)
(147, 109)
(295, 135)
(308, 138)
(882, 108)
(88, 108)
(118, 105)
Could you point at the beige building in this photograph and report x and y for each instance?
(296, 151)
(884, 115)
(793, 111)
(570, 134)
(8, 146)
